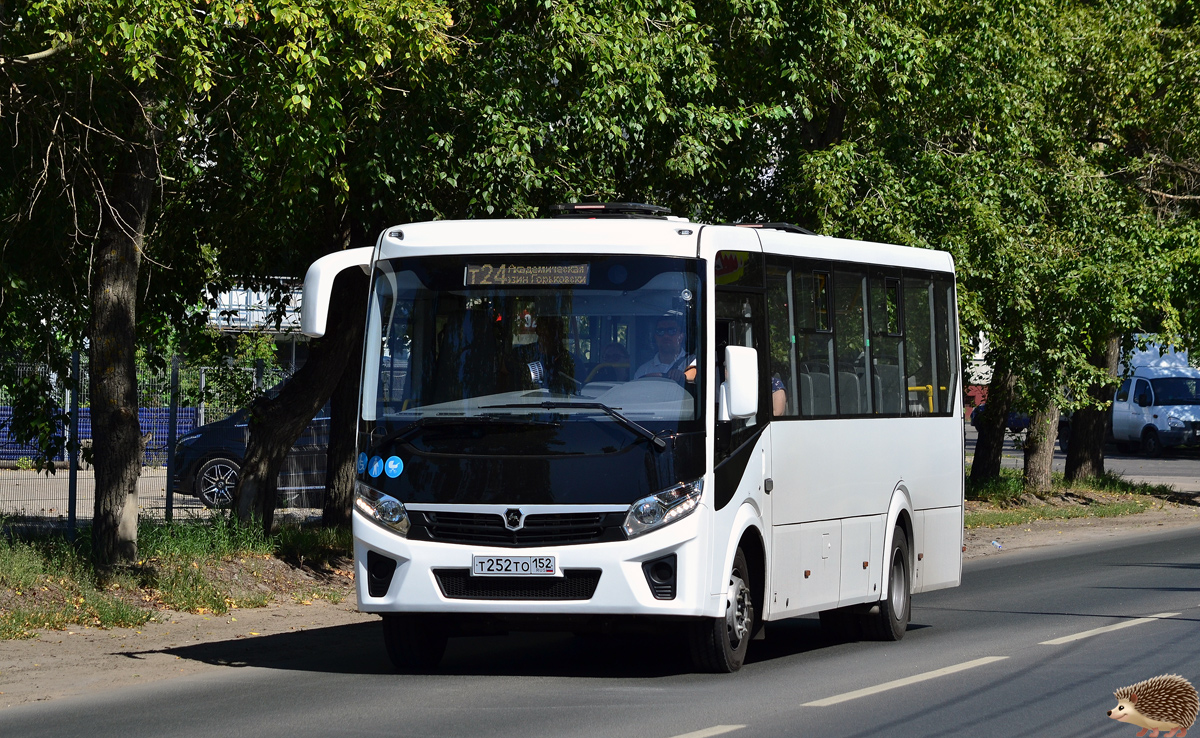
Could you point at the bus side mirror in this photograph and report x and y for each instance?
(739, 392)
(318, 286)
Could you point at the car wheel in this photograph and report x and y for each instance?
(891, 620)
(720, 644)
(215, 481)
(1151, 443)
(415, 643)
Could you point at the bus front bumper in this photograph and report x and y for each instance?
(432, 577)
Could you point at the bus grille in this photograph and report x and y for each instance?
(543, 529)
(575, 584)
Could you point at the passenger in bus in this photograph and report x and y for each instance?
(613, 366)
(778, 396)
(671, 360)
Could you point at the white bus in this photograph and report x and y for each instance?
(617, 417)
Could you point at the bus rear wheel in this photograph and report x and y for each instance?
(891, 620)
(719, 644)
(415, 643)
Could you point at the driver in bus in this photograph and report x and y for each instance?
(670, 360)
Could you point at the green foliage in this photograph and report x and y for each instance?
(1051, 147)
(218, 537)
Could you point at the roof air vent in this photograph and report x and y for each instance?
(785, 227)
(608, 210)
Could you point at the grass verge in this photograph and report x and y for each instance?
(208, 566)
(1101, 497)
(1023, 515)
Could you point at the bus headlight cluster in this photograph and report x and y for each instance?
(1174, 422)
(663, 508)
(380, 508)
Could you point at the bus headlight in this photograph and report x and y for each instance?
(663, 508)
(380, 508)
(1174, 422)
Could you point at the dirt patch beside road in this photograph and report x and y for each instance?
(1042, 533)
(62, 663)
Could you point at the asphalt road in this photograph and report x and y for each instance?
(987, 659)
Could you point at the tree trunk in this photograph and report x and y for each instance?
(993, 423)
(117, 442)
(275, 423)
(343, 437)
(1090, 425)
(1039, 447)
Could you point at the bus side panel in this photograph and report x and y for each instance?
(845, 468)
(861, 572)
(939, 546)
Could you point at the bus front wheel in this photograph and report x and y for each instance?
(891, 620)
(415, 643)
(719, 644)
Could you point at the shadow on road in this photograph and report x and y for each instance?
(358, 649)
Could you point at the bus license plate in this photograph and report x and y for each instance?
(513, 566)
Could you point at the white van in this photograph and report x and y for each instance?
(1158, 407)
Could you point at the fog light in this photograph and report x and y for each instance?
(660, 575)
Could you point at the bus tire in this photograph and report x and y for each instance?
(719, 644)
(414, 643)
(891, 620)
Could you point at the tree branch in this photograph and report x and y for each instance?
(37, 56)
(1169, 196)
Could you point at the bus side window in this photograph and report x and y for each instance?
(947, 354)
(1123, 392)
(919, 345)
(854, 376)
(781, 373)
(815, 358)
(887, 345)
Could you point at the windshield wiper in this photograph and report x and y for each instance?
(403, 434)
(637, 428)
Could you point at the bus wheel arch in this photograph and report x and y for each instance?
(899, 519)
(755, 551)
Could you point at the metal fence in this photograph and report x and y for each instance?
(172, 403)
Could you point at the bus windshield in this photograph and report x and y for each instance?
(547, 379)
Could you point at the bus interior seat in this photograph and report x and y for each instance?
(848, 393)
(887, 389)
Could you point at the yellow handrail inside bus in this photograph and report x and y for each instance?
(928, 390)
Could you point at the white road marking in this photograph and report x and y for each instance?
(714, 730)
(1108, 629)
(903, 682)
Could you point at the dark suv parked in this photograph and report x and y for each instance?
(209, 459)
